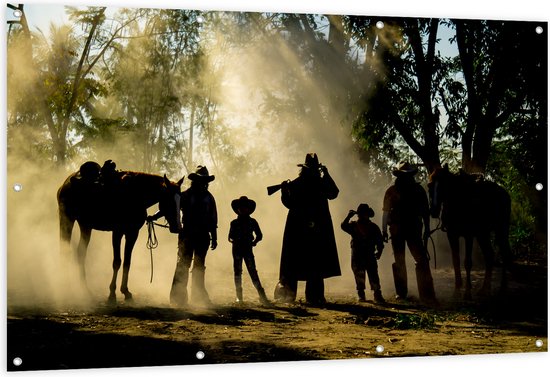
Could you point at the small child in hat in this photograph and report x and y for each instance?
(366, 248)
(244, 234)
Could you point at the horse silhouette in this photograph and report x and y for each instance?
(117, 202)
(472, 207)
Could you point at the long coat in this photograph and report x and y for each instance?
(309, 247)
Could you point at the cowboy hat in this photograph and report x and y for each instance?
(201, 174)
(404, 168)
(364, 207)
(312, 161)
(243, 202)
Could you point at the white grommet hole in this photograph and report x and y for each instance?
(379, 348)
(17, 361)
(17, 187)
(200, 355)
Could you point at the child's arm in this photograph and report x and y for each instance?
(346, 226)
(257, 232)
(379, 242)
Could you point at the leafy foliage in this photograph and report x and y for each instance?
(151, 79)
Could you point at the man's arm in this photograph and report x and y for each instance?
(214, 223)
(385, 218)
(330, 188)
(379, 241)
(425, 213)
(386, 208)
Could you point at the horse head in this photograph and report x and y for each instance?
(437, 189)
(169, 204)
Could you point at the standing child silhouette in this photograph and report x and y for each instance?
(366, 248)
(244, 234)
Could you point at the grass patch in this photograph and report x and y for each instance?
(423, 321)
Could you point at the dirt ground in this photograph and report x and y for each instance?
(143, 334)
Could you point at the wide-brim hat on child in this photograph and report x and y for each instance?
(364, 207)
(243, 202)
(201, 174)
(404, 168)
(312, 161)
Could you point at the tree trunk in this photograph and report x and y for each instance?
(424, 67)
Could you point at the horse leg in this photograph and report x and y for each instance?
(116, 240)
(66, 225)
(131, 238)
(501, 238)
(455, 250)
(469, 243)
(85, 234)
(488, 253)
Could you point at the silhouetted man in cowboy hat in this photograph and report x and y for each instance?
(199, 231)
(309, 248)
(405, 210)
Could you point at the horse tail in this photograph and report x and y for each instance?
(66, 222)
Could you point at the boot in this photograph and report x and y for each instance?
(239, 289)
(239, 299)
(285, 292)
(378, 296)
(263, 297)
(200, 294)
(178, 292)
(425, 284)
(361, 294)
(400, 280)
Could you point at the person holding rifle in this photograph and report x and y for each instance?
(309, 250)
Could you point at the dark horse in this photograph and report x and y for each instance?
(114, 201)
(472, 207)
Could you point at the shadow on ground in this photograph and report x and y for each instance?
(43, 344)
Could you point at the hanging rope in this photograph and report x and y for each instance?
(433, 243)
(152, 241)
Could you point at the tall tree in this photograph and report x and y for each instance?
(497, 60)
(401, 82)
(61, 74)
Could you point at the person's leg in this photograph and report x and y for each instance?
(315, 291)
(399, 267)
(374, 279)
(199, 291)
(251, 267)
(359, 274)
(178, 292)
(237, 274)
(424, 278)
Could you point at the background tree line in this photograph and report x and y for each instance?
(147, 79)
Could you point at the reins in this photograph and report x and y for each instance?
(433, 243)
(152, 241)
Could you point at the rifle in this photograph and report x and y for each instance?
(273, 189)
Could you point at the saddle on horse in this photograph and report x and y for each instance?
(100, 184)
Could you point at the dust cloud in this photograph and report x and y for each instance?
(242, 76)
